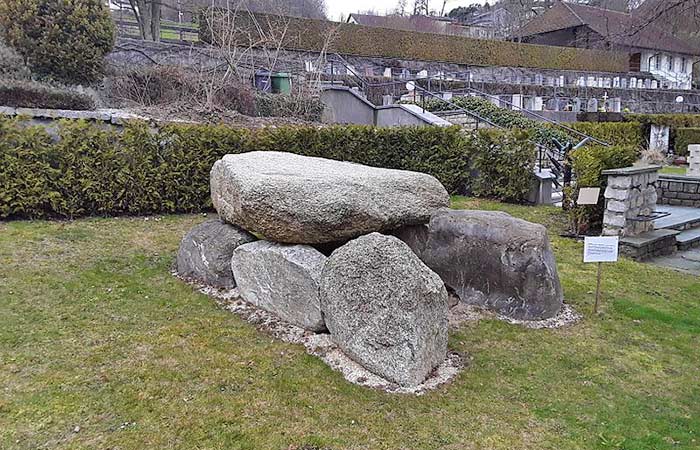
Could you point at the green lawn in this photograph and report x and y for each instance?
(674, 170)
(95, 333)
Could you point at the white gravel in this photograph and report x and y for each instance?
(322, 346)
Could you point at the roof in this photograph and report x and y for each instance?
(616, 27)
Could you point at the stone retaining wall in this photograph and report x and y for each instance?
(678, 190)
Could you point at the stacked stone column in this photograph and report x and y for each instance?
(630, 199)
(694, 160)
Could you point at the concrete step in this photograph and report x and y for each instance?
(688, 239)
(681, 218)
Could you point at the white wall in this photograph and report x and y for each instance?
(670, 68)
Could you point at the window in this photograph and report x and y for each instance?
(670, 63)
(684, 65)
(657, 61)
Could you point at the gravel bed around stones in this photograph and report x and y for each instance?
(321, 345)
(466, 313)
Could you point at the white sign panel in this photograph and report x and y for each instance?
(600, 249)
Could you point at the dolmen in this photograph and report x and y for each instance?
(365, 254)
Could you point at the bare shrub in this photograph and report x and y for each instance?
(168, 85)
(650, 156)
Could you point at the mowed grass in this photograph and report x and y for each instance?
(101, 348)
(674, 170)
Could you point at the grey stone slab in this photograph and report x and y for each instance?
(680, 216)
(636, 170)
(688, 262)
(647, 239)
(689, 236)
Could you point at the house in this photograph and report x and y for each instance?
(495, 22)
(421, 23)
(651, 48)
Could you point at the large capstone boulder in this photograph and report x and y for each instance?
(282, 279)
(304, 200)
(385, 309)
(205, 253)
(491, 259)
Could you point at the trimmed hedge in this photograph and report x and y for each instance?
(625, 134)
(671, 120)
(26, 94)
(90, 170)
(352, 39)
(684, 138)
(674, 122)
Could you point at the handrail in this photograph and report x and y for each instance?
(366, 83)
(539, 116)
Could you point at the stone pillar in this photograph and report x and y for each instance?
(659, 138)
(694, 160)
(630, 199)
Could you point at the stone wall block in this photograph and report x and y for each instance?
(616, 194)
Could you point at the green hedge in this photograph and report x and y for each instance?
(90, 170)
(312, 35)
(674, 121)
(626, 134)
(26, 94)
(684, 138)
(671, 120)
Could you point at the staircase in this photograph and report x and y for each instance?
(684, 219)
(551, 157)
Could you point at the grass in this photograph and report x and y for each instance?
(95, 333)
(674, 170)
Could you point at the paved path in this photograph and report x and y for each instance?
(688, 261)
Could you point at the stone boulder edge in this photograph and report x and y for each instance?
(385, 309)
(282, 279)
(206, 250)
(305, 200)
(491, 259)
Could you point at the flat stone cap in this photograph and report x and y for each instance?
(682, 178)
(648, 238)
(634, 170)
